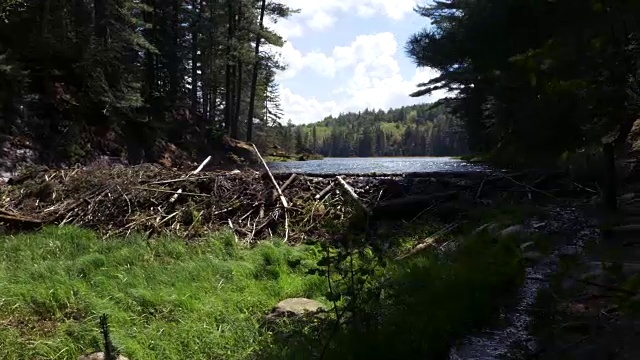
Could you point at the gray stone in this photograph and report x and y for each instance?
(98, 356)
(488, 227)
(294, 307)
(514, 230)
(532, 256)
(526, 245)
(627, 197)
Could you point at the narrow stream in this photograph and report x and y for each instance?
(504, 341)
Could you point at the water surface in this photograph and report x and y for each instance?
(383, 165)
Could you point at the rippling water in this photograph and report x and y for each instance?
(385, 165)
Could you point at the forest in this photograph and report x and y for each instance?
(126, 78)
(417, 130)
(528, 82)
(533, 80)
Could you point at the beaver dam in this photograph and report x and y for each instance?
(152, 200)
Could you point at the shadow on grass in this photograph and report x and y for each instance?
(423, 306)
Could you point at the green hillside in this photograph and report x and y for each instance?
(417, 130)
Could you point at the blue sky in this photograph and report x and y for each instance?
(348, 55)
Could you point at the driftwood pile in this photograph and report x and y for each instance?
(148, 199)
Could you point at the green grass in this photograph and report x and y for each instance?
(166, 299)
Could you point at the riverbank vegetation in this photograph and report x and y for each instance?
(207, 298)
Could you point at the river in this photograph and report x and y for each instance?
(379, 165)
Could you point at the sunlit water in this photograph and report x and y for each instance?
(388, 165)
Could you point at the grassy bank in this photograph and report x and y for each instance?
(170, 299)
(166, 299)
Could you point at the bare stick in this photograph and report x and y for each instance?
(290, 181)
(286, 226)
(528, 186)
(273, 180)
(429, 241)
(480, 188)
(201, 165)
(353, 194)
(174, 197)
(170, 191)
(233, 229)
(177, 180)
(128, 202)
(324, 192)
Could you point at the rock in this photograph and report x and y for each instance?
(526, 245)
(98, 356)
(514, 230)
(294, 307)
(626, 197)
(488, 227)
(532, 256)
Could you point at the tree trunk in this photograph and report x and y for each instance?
(610, 198)
(254, 78)
(228, 73)
(194, 60)
(174, 56)
(100, 15)
(150, 62)
(238, 100)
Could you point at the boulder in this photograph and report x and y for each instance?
(98, 356)
(295, 307)
(514, 230)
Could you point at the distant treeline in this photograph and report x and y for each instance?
(417, 130)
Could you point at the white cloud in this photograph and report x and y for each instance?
(287, 28)
(320, 21)
(321, 14)
(375, 51)
(372, 79)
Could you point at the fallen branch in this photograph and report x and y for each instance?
(174, 197)
(290, 181)
(273, 180)
(171, 191)
(283, 200)
(429, 241)
(11, 216)
(480, 188)
(527, 186)
(353, 194)
(324, 192)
